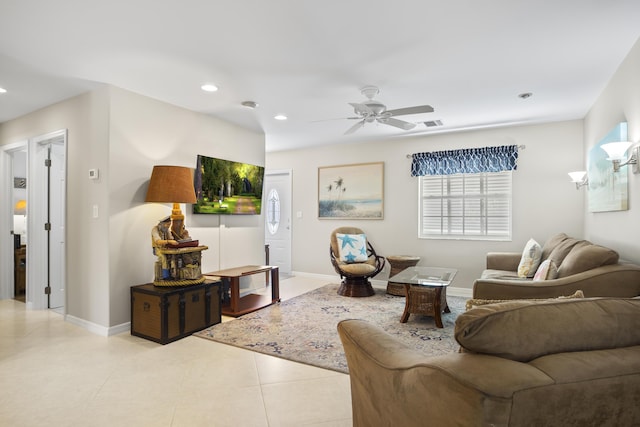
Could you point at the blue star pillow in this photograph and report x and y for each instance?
(352, 247)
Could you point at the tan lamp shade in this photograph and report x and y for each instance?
(171, 184)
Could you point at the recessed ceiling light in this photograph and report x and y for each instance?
(3, 90)
(209, 87)
(250, 104)
(525, 95)
(280, 117)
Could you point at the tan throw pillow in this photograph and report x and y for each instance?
(530, 259)
(588, 257)
(563, 248)
(546, 271)
(550, 244)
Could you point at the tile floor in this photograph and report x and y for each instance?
(53, 373)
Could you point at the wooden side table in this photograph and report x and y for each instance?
(426, 291)
(426, 300)
(399, 263)
(232, 303)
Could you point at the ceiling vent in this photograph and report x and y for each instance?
(433, 123)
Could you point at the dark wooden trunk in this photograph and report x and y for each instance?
(165, 314)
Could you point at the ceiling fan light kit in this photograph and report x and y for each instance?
(370, 91)
(373, 110)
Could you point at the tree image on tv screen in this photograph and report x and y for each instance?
(227, 187)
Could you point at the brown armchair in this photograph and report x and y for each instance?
(355, 275)
(527, 363)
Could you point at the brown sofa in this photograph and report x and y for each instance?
(524, 363)
(581, 265)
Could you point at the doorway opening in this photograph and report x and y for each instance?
(36, 252)
(13, 159)
(19, 203)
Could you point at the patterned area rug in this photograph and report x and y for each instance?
(303, 329)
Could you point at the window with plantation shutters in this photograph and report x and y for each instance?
(465, 206)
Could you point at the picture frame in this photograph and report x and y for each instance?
(608, 190)
(354, 191)
(226, 187)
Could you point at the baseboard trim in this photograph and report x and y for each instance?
(126, 327)
(94, 328)
(118, 329)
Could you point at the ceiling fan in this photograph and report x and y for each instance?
(374, 110)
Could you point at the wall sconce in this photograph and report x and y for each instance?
(617, 151)
(580, 178)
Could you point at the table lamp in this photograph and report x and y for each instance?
(172, 184)
(179, 256)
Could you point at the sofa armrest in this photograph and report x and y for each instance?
(392, 384)
(507, 261)
(617, 280)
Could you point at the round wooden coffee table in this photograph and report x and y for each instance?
(399, 263)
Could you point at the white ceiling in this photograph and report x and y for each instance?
(469, 59)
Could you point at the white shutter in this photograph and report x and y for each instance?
(465, 206)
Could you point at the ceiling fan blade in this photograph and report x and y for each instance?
(355, 127)
(337, 118)
(397, 123)
(411, 110)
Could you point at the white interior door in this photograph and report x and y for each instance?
(278, 218)
(46, 204)
(56, 218)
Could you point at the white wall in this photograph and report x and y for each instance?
(619, 102)
(19, 171)
(545, 202)
(124, 135)
(143, 133)
(86, 118)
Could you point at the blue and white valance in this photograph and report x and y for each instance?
(469, 160)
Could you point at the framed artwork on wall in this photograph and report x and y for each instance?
(608, 190)
(351, 191)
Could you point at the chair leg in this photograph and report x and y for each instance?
(356, 287)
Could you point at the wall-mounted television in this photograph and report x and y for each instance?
(227, 187)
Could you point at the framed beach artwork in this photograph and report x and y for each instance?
(351, 191)
(608, 190)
